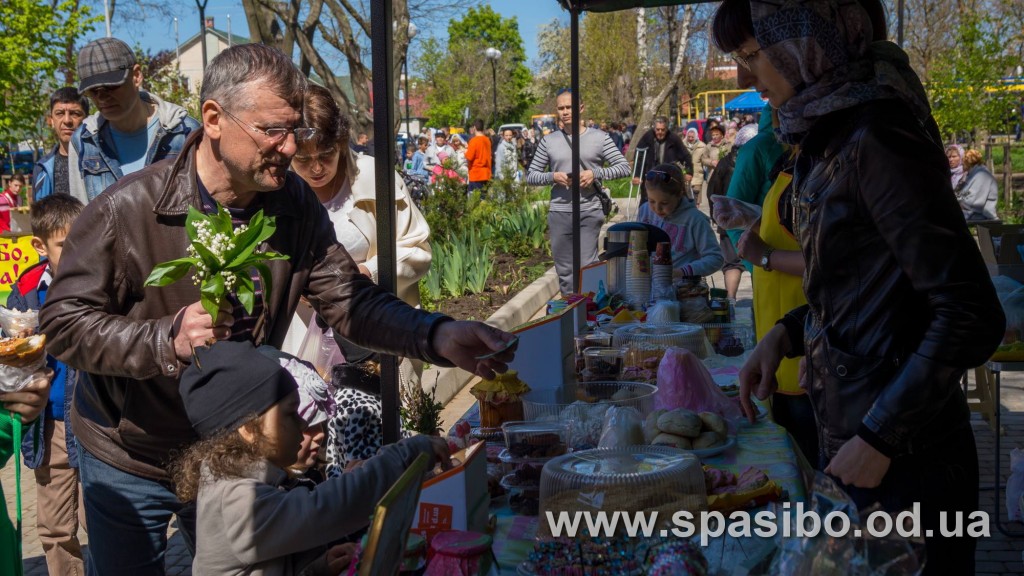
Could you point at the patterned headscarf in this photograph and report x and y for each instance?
(744, 135)
(823, 48)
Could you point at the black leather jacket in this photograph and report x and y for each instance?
(899, 300)
(99, 317)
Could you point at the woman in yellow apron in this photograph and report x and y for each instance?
(778, 288)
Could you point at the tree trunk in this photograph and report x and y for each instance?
(349, 25)
(641, 55)
(261, 18)
(652, 104)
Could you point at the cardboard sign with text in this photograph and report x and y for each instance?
(545, 359)
(16, 256)
(456, 499)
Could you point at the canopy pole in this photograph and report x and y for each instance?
(899, 23)
(574, 82)
(381, 15)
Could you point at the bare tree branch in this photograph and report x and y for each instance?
(360, 21)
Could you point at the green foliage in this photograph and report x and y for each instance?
(431, 289)
(964, 83)
(447, 206)
(479, 261)
(521, 232)
(36, 38)
(161, 78)
(222, 258)
(461, 263)
(459, 76)
(420, 410)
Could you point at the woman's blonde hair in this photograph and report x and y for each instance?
(972, 158)
(226, 455)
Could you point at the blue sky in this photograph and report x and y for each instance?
(157, 33)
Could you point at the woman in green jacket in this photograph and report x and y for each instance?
(19, 409)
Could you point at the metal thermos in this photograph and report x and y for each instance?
(616, 250)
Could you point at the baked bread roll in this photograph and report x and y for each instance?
(714, 422)
(708, 440)
(22, 352)
(666, 439)
(681, 422)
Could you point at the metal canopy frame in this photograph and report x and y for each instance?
(381, 16)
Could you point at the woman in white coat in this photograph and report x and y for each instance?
(345, 185)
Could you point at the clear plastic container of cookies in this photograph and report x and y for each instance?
(646, 345)
(535, 440)
(627, 479)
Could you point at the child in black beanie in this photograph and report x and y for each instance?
(244, 406)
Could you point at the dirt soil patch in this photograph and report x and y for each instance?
(511, 274)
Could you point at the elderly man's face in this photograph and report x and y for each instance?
(660, 131)
(253, 160)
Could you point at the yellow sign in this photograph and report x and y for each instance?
(16, 256)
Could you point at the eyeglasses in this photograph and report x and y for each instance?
(275, 135)
(744, 59)
(564, 91)
(659, 176)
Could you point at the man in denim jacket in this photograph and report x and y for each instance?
(131, 129)
(50, 175)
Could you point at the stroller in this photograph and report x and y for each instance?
(417, 187)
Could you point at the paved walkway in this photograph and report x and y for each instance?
(997, 554)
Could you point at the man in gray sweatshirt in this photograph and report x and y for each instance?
(600, 160)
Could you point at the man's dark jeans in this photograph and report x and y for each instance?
(127, 517)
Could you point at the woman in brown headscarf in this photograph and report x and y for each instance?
(899, 301)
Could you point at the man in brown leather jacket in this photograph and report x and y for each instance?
(134, 341)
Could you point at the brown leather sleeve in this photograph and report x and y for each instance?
(83, 317)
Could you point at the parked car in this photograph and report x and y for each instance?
(515, 128)
(22, 164)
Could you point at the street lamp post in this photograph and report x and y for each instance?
(411, 32)
(493, 54)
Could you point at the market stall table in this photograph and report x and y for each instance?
(997, 368)
(764, 445)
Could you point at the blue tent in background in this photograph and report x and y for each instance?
(748, 102)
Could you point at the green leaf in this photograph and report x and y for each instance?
(265, 279)
(170, 272)
(211, 294)
(193, 217)
(222, 221)
(245, 290)
(211, 261)
(246, 242)
(268, 228)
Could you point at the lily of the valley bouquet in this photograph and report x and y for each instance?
(222, 257)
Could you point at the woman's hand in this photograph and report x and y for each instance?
(858, 464)
(340, 557)
(562, 179)
(758, 373)
(30, 401)
(751, 247)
